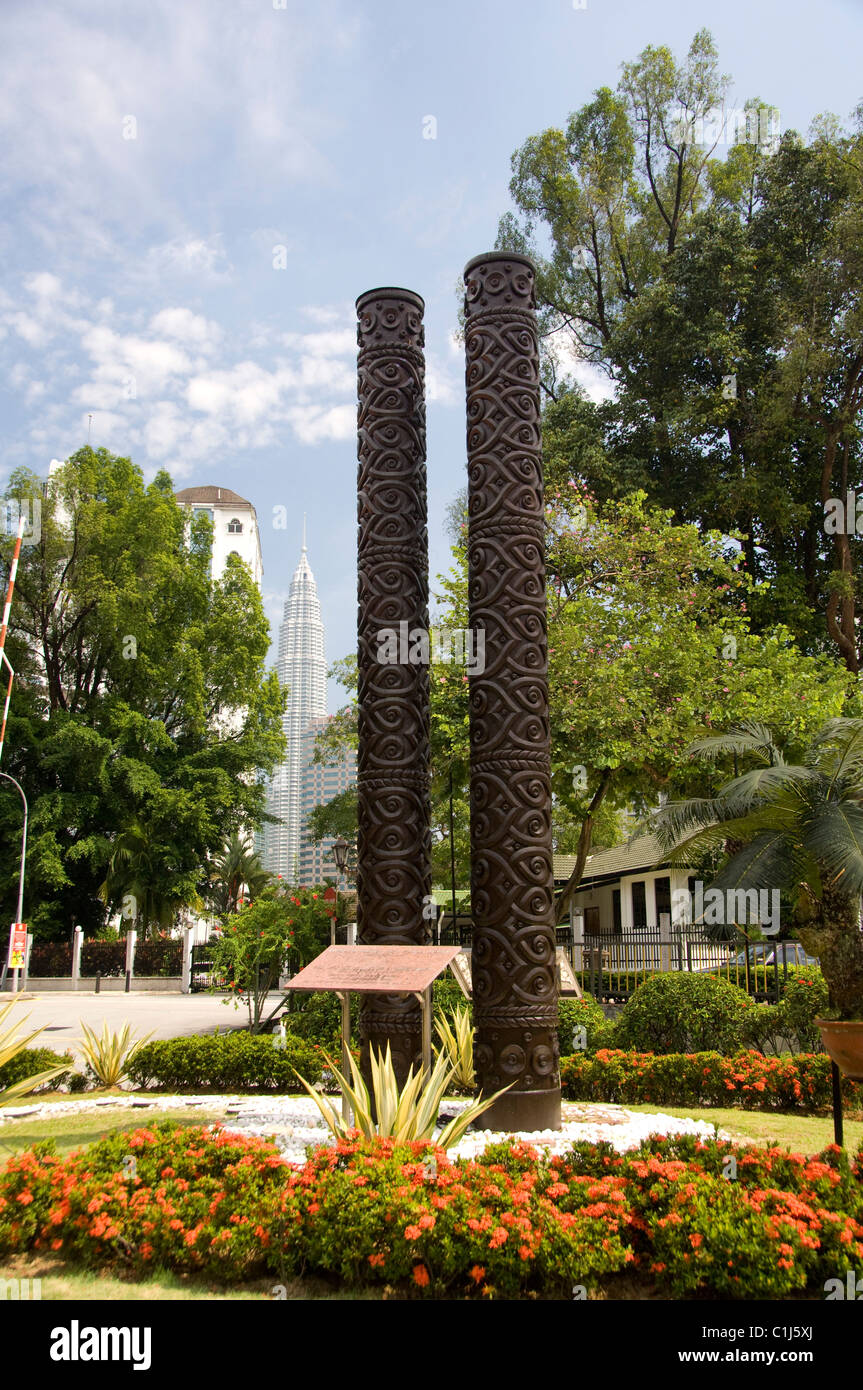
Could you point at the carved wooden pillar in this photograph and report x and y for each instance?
(394, 837)
(513, 954)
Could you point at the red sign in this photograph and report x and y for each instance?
(330, 896)
(17, 945)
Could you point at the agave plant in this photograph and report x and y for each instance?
(10, 1046)
(109, 1055)
(404, 1115)
(457, 1045)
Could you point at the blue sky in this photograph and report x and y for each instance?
(154, 154)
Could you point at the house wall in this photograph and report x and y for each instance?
(601, 897)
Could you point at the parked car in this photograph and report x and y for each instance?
(766, 953)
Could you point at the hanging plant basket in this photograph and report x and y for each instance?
(844, 1043)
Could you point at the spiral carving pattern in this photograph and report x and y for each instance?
(513, 953)
(394, 837)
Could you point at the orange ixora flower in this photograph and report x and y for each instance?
(421, 1275)
(477, 1274)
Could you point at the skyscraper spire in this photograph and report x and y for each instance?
(302, 668)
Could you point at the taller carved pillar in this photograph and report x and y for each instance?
(513, 956)
(394, 840)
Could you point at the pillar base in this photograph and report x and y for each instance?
(523, 1110)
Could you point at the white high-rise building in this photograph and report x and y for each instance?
(302, 668)
(235, 526)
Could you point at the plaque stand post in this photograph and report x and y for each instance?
(401, 973)
(515, 986)
(393, 807)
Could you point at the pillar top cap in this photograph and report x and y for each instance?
(498, 256)
(391, 292)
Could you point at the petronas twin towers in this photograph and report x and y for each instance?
(302, 668)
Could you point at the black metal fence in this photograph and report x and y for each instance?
(53, 959)
(160, 957)
(203, 974)
(105, 958)
(611, 967)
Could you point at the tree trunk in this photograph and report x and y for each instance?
(570, 888)
(834, 936)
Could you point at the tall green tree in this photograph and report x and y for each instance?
(650, 640)
(141, 699)
(718, 289)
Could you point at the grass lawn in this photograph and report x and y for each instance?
(805, 1134)
(69, 1284)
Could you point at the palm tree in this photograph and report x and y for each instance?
(236, 869)
(792, 825)
(136, 875)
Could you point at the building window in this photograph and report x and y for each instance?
(235, 526)
(639, 905)
(662, 899)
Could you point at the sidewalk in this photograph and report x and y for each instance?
(165, 1016)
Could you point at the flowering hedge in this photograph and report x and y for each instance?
(677, 1214)
(748, 1079)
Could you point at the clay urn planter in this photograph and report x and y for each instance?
(843, 1041)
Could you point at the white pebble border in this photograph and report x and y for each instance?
(295, 1122)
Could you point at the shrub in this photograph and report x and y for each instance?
(684, 1013)
(750, 1080)
(190, 1200)
(583, 1013)
(511, 1223)
(319, 1020)
(763, 1029)
(447, 997)
(226, 1062)
(804, 998)
(32, 1060)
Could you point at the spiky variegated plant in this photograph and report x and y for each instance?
(406, 1115)
(10, 1046)
(109, 1054)
(457, 1045)
(797, 826)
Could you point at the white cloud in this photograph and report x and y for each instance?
(312, 425)
(189, 257)
(442, 386)
(186, 327)
(231, 88)
(590, 378)
(177, 389)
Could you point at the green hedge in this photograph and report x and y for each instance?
(33, 1060)
(226, 1063)
(748, 1080)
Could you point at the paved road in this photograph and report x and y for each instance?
(163, 1015)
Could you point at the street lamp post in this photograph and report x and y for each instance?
(340, 854)
(20, 909)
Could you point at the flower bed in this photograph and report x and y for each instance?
(688, 1216)
(748, 1079)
